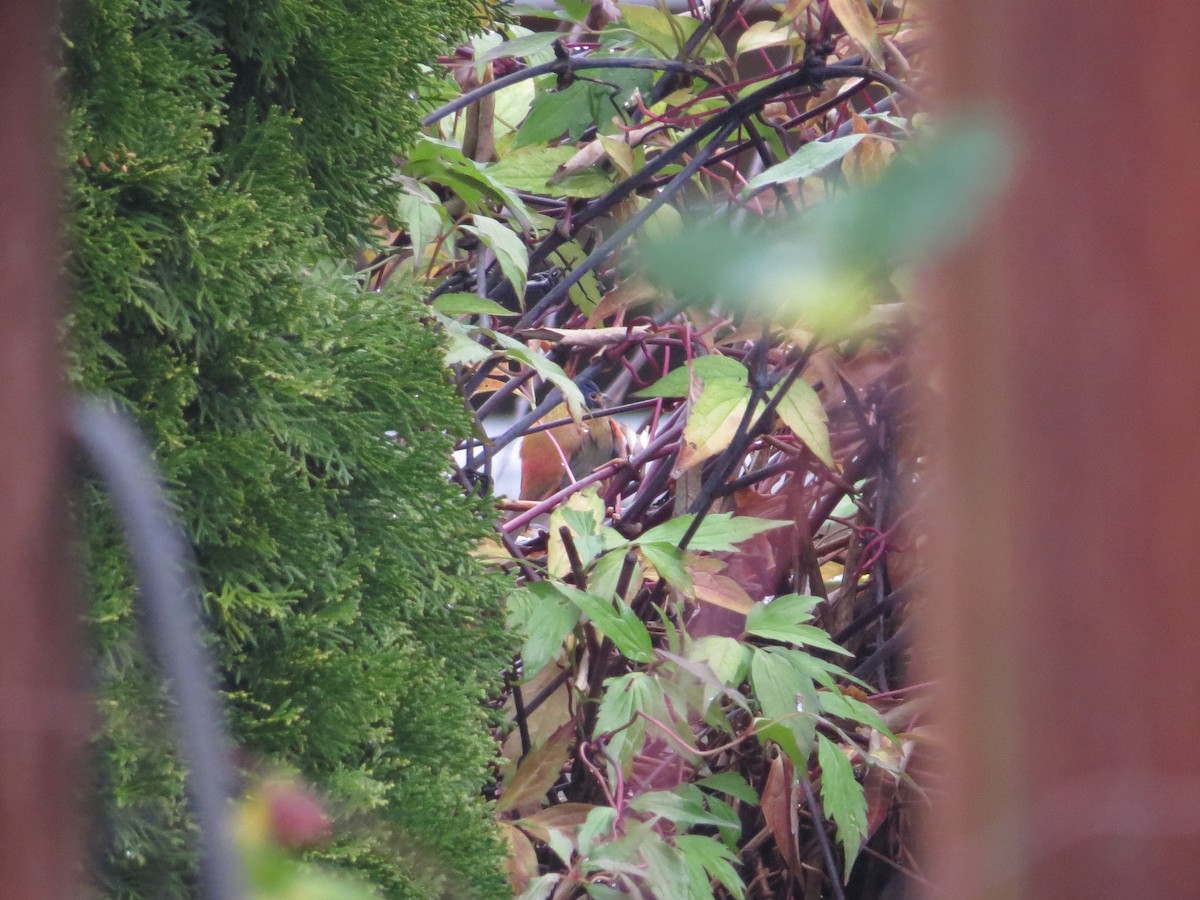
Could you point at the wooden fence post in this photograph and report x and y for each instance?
(43, 711)
(1066, 617)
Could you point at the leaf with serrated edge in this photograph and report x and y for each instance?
(706, 368)
(843, 799)
(801, 411)
(719, 532)
(713, 421)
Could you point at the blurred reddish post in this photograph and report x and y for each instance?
(1067, 615)
(43, 713)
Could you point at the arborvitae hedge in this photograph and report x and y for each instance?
(221, 155)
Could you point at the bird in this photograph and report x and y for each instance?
(553, 458)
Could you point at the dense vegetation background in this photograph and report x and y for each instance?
(223, 159)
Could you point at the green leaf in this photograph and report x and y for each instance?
(766, 34)
(788, 697)
(618, 623)
(596, 829)
(802, 411)
(682, 811)
(843, 799)
(551, 371)
(707, 368)
(461, 346)
(469, 305)
(586, 292)
(808, 160)
(531, 168)
(510, 250)
(835, 703)
(623, 697)
(668, 561)
(444, 163)
(554, 112)
(728, 658)
(719, 532)
(778, 619)
(544, 618)
(422, 219)
(732, 784)
(523, 46)
(716, 859)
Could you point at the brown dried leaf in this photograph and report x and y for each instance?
(538, 771)
(779, 804)
(565, 817)
(586, 338)
(521, 863)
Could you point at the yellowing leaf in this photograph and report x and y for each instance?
(619, 152)
(765, 34)
(708, 586)
(794, 8)
(856, 18)
(712, 421)
(801, 411)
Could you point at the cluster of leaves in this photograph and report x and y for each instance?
(218, 153)
(710, 699)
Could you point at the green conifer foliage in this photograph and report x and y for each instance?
(220, 154)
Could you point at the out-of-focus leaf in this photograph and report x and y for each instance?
(509, 249)
(843, 799)
(856, 18)
(718, 532)
(802, 411)
(538, 771)
(469, 305)
(808, 160)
